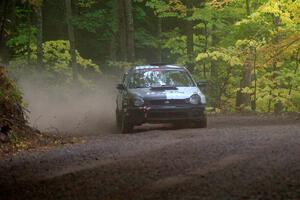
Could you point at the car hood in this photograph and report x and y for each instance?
(179, 93)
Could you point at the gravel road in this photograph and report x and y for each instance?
(237, 157)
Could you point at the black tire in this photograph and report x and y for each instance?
(180, 124)
(118, 119)
(126, 126)
(202, 123)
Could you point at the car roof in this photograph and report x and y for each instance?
(156, 66)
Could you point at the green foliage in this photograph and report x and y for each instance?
(57, 57)
(86, 3)
(8, 90)
(36, 3)
(228, 40)
(14, 138)
(25, 36)
(56, 63)
(144, 39)
(90, 21)
(11, 101)
(255, 41)
(175, 43)
(295, 99)
(226, 55)
(172, 8)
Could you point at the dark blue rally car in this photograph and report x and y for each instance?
(159, 94)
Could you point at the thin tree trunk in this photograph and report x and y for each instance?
(28, 49)
(246, 80)
(253, 104)
(71, 36)
(39, 13)
(205, 47)
(278, 106)
(129, 31)
(215, 85)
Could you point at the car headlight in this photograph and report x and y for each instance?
(195, 99)
(138, 102)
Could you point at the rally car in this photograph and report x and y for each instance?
(159, 94)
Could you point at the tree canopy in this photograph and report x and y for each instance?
(247, 50)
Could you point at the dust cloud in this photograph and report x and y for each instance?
(72, 111)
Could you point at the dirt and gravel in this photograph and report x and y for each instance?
(237, 157)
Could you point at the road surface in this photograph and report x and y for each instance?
(236, 157)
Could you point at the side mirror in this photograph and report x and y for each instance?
(201, 83)
(121, 86)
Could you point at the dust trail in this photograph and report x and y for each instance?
(72, 110)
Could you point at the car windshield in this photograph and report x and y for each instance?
(146, 78)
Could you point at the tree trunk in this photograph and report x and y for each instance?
(159, 31)
(12, 16)
(39, 14)
(243, 99)
(190, 36)
(126, 30)
(113, 41)
(3, 18)
(122, 30)
(113, 49)
(4, 9)
(129, 31)
(248, 11)
(71, 36)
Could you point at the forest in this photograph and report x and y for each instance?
(247, 50)
(71, 129)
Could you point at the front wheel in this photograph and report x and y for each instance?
(118, 119)
(126, 126)
(202, 123)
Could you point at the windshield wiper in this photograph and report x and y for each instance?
(164, 87)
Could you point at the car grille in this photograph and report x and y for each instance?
(167, 115)
(167, 102)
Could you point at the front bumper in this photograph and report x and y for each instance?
(163, 113)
